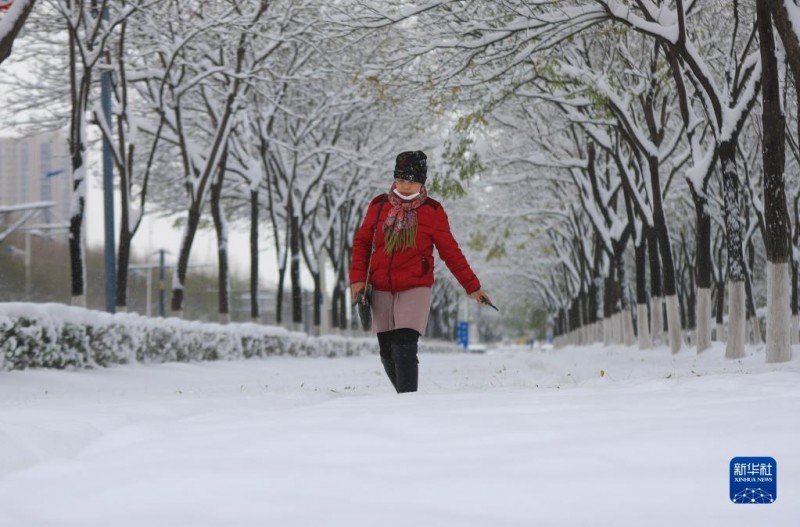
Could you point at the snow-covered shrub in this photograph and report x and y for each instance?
(59, 336)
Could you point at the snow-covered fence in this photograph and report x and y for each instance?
(59, 336)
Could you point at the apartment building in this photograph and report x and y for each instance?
(34, 169)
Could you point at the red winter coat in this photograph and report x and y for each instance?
(411, 267)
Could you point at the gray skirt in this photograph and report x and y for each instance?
(406, 309)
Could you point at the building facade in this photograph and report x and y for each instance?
(34, 169)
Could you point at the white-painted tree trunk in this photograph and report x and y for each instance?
(643, 327)
(755, 328)
(721, 333)
(656, 320)
(737, 325)
(615, 328)
(674, 323)
(78, 301)
(759, 336)
(627, 328)
(778, 312)
(224, 318)
(703, 319)
(606, 331)
(795, 328)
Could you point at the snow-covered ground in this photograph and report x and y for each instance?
(578, 437)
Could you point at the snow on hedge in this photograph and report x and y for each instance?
(60, 336)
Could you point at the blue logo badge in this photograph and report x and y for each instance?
(754, 480)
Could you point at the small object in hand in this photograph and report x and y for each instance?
(364, 302)
(486, 301)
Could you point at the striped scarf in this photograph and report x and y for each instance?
(400, 226)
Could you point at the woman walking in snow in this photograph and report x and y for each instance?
(406, 224)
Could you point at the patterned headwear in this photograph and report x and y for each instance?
(412, 166)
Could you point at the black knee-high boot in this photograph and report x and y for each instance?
(385, 345)
(406, 367)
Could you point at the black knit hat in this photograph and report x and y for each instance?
(412, 166)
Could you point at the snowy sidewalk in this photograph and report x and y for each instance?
(576, 437)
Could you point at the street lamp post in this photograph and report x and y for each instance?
(27, 265)
(161, 284)
(108, 193)
(108, 181)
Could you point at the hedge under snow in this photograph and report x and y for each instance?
(60, 336)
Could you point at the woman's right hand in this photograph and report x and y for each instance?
(356, 288)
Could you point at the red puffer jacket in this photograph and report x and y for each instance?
(412, 267)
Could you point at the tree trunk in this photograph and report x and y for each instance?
(79, 87)
(656, 294)
(703, 319)
(335, 305)
(750, 307)
(703, 271)
(733, 238)
(179, 276)
(642, 323)
(673, 322)
(279, 295)
(736, 328)
(608, 307)
(338, 307)
(76, 245)
(776, 215)
(592, 307)
(344, 301)
(123, 262)
(317, 303)
(667, 261)
(795, 318)
(221, 229)
(720, 311)
(586, 315)
(294, 270)
(691, 299)
(626, 321)
(254, 272)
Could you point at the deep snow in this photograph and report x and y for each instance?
(577, 436)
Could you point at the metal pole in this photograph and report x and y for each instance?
(148, 310)
(27, 265)
(161, 284)
(108, 191)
